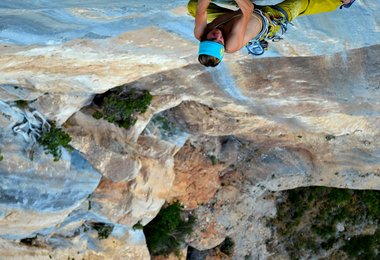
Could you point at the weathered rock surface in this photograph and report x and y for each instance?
(36, 192)
(134, 184)
(305, 113)
(196, 177)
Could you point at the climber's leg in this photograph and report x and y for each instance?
(213, 10)
(294, 8)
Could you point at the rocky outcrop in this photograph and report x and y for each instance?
(196, 177)
(36, 189)
(134, 182)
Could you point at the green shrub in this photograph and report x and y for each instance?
(138, 225)
(324, 230)
(167, 231)
(227, 246)
(165, 123)
(29, 241)
(372, 202)
(104, 229)
(213, 159)
(307, 217)
(326, 245)
(53, 140)
(21, 103)
(360, 246)
(120, 108)
(329, 137)
(89, 202)
(97, 115)
(340, 196)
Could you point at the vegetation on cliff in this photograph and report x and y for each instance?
(227, 246)
(53, 139)
(103, 229)
(167, 231)
(121, 106)
(21, 103)
(340, 223)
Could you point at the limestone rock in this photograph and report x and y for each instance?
(12, 93)
(104, 146)
(196, 177)
(125, 245)
(87, 74)
(135, 183)
(305, 113)
(36, 188)
(59, 108)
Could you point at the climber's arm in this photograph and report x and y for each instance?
(236, 39)
(201, 18)
(245, 6)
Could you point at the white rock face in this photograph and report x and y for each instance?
(36, 189)
(305, 113)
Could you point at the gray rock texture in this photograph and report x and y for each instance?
(305, 113)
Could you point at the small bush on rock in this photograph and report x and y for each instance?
(120, 107)
(104, 229)
(167, 231)
(21, 103)
(53, 140)
(138, 226)
(227, 246)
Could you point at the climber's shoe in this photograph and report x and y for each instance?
(347, 5)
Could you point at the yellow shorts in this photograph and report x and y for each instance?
(296, 8)
(293, 8)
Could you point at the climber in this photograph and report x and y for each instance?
(250, 26)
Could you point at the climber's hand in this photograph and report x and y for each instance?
(245, 6)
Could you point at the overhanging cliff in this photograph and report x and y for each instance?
(306, 113)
